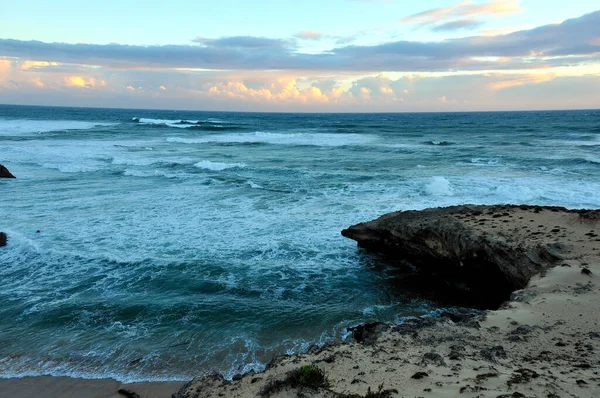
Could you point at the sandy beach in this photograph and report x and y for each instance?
(543, 342)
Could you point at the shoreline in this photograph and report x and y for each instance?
(69, 387)
(543, 342)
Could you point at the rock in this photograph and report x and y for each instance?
(419, 375)
(433, 358)
(128, 393)
(457, 352)
(492, 354)
(444, 245)
(3, 239)
(4, 173)
(522, 330)
(368, 333)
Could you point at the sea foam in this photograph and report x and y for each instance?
(24, 126)
(217, 166)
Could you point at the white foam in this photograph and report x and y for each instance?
(24, 126)
(592, 159)
(439, 186)
(151, 173)
(318, 139)
(254, 185)
(133, 161)
(217, 166)
(168, 122)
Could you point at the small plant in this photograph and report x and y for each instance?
(312, 377)
(381, 393)
(307, 376)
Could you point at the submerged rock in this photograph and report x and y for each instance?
(486, 251)
(4, 173)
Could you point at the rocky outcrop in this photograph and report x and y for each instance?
(3, 239)
(4, 173)
(486, 251)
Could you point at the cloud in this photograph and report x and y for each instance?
(286, 91)
(26, 65)
(309, 35)
(79, 81)
(457, 25)
(571, 42)
(514, 81)
(243, 42)
(464, 9)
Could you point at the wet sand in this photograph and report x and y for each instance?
(66, 387)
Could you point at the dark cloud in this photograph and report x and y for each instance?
(549, 45)
(457, 25)
(249, 42)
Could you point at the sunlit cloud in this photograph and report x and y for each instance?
(465, 9)
(26, 65)
(309, 35)
(78, 81)
(502, 31)
(534, 78)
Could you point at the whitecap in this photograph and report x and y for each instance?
(217, 166)
(25, 126)
(439, 186)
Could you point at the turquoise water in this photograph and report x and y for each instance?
(175, 243)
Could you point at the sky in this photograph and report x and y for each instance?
(302, 56)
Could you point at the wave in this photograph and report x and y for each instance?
(440, 143)
(205, 125)
(25, 126)
(595, 160)
(217, 166)
(439, 186)
(316, 139)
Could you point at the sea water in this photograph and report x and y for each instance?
(159, 245)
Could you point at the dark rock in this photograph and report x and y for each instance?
(457, 352)
(522, 375)
(522, 330)
(128, 393)
(4, 173)
(368, 333)
(445, 247)
(469, 388)
(433, 358)
(492, 354)
(3, 239)
(515, 394)
(419, 375)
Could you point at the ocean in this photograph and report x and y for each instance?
(160, 245)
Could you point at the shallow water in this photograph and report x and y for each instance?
(181, 242)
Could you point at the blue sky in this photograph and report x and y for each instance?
(339, 55)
